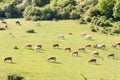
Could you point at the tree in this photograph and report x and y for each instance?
(106, 7)
(116, 10)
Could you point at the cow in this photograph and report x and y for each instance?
(5, 24)
(61, 36)
(68, 49)
(95, 53)
(92, 61)
(55, 45)
(8, 59)
(28, 46)
(114, 45)
(75, 52)
(81, 49)
(87, 37)
(38, 45)
(88, 46)
(18, 22)
(111, 55)
(100, 46)
(51, 58)
(83, 34)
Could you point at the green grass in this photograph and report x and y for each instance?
(33, 65)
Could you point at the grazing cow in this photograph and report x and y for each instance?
(38, 45)
(4, 22)
(18, 22)
(83, 34)
(114, 45)
(111, 55)
(75, 52)
(61, 36)
(87, 37)
(101, 46)
(88, 46)
(81, 49)
(8, 59)
(51, 58)
(118, 43)
(92, 61)
(28, 46)
(95, 53)
(55, 45)
(68, 49)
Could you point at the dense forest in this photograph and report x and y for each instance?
(59, 9)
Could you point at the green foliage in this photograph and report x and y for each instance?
(106, 7)
(11, 11)
(40, 2)
(116, 9)
(14, 77)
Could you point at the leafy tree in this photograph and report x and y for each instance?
(106, 7)
(116, 10)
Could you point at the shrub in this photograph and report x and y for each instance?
(88, 19)
(14, 77)
(74, 15)
(30, 31)
(2, 28)
(82, 21)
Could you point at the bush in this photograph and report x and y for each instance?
(88, 19)
(93, 30)
(2, 28)
(82, 21)
(14, 77)
(74, 15)
(30, 31)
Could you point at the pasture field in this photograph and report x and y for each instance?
(34, 65)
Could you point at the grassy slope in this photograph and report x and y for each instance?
(33, 65)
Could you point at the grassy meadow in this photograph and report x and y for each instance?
(34, 65)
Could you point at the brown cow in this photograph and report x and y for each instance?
(81, 49)
(28, 46)
(5, 24)
(68, 49)
(38, 45)
(8, 59)
(114, 45)
(75, 52)
(51, 58)
(88, 46)
(55, 45)
(95, 53)
(111, 55)
(92, 61)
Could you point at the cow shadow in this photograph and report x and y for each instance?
(11, 62)
(116, 59)
(57, 62)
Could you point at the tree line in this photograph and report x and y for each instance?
(59, 9)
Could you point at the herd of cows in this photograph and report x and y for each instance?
(38, 47)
